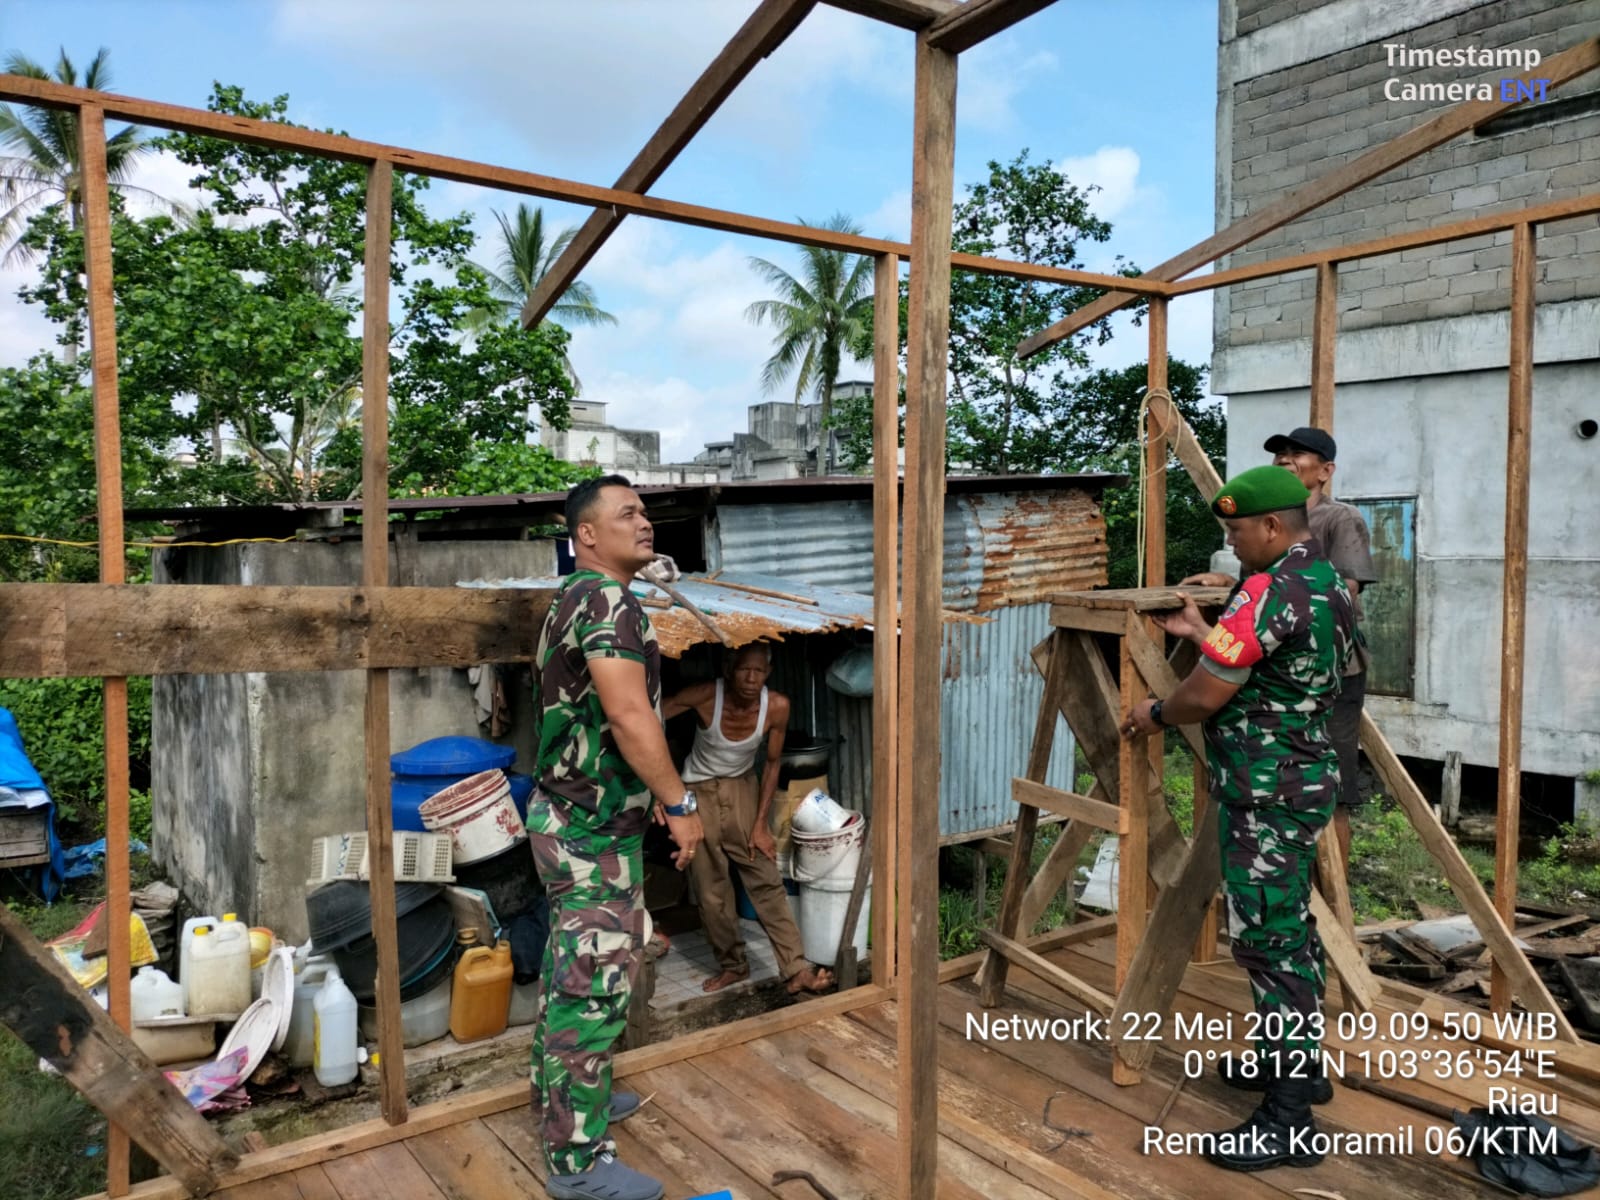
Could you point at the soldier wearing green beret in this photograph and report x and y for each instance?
(1266, 681)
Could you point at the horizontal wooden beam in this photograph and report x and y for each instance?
(25, 90)
(1042, 968)
(52, 1015)
(54, 630)
(1067, 804)
(1539, 214)
(907, 14)
(762, 33)
(1567, 65)
(964, 26)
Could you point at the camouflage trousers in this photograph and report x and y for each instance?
(1267, 854)
(595, 883)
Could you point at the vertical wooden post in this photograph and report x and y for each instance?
(1155, 452)
(1133, 833)
(375, 574)
(113, 569)
(927, 355)
(1205, 946)
(1514, 624)
(1155, 553)
(1324, 332)
(885, 611)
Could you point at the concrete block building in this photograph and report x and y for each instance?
(1304, 86)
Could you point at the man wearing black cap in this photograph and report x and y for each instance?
(1342, 532)
(1268, 674)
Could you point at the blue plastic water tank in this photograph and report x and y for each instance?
(435, 764)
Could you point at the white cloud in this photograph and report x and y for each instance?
(1114, 170)
(990, 80)
(586, 84)
(892, 218)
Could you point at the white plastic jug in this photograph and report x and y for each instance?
(184, 943)
(219, 970)
(300, 1045)
(152, 994)
(334, 1054)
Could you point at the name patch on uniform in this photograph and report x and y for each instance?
(1232, 640)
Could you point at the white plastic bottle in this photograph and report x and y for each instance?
(152, 994)
(334, 1057)
(185, 944)
(300, 1046)
(219, 971)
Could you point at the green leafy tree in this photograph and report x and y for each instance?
(246, 319)
(1004, 411)
(526, 256)
(1099, 431)
(817, 317)
(517, 469)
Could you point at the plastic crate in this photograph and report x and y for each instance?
(418, 858)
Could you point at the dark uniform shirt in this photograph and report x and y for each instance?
(1285, 637)
(592, 616)
(1346, 542)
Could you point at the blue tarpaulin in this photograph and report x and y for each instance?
(21, 787)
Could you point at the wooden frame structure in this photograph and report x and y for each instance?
(114, 630)
(1146, 979)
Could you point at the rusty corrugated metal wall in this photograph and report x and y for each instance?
(1004, 554)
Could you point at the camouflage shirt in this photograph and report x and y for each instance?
(1285, 637)
(591, 616)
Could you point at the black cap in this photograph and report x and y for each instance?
(1304, 438)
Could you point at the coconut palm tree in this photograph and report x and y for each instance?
(816, 316)
(39, 164)
(526, 256)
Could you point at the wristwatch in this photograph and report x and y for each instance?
(1155, 713)
(685, 807)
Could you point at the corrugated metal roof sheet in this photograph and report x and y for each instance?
(1000, 549)
(745, 616)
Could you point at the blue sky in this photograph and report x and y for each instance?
(1121, 95)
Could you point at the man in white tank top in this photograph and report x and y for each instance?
(735, 714)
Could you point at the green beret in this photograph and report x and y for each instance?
(1260, 490)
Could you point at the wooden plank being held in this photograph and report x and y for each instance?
(1567, 65)
(44, 1006)
(1068, 804)
(763, 32)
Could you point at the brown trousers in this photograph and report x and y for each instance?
(728, 813)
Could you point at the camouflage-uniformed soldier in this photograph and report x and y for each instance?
(602, 753)
(1267, 679)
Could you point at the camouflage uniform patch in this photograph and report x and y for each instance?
(592, 616)
(591, 960)
(1277, 776)
(586, 826)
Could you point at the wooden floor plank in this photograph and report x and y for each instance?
(313, 1184)
(1208, 1104)
(788, 1053)
(741, 1124)
(386, 1172)
(468, 1162)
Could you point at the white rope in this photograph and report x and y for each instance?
(1142, 440)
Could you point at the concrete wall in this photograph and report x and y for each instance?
(1423, 339)
(1302, 95)
(248, 769)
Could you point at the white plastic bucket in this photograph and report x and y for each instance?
(818, 813)
(478, 814)
(819, 857)
(822, 913)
